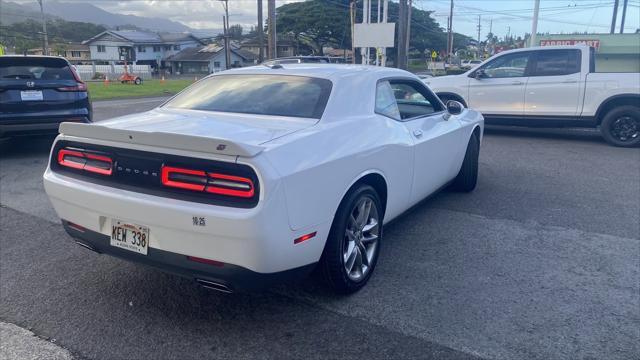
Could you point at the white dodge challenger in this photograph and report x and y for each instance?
(259, 175)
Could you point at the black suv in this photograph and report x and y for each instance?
(37, 93)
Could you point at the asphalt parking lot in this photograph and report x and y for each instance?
(542, 261)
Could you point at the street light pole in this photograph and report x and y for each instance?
(624, 15)
(225, 21)
(615, 16)
(271, 10)
(45, 44)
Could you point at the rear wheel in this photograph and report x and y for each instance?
(351, 252)
(621, 126)
(138, 81)
(468, 176)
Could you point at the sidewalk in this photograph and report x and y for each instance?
(17, 343)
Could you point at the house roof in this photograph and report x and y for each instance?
(145, 37)
(207, 53)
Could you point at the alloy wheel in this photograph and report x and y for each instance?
(361, 239)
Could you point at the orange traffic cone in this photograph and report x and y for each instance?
(106, 80)
(162, 80)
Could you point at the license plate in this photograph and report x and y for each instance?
(130, 237)
(31, 95)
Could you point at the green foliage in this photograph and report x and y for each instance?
(316, 24)
(321, 23)
(28, 34)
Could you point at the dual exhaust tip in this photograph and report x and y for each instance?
(207, 284)
(212, 285)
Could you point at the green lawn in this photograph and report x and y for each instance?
(115, 90)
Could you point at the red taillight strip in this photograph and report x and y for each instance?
(166, 181)
(231, 181)
(205, 261)
(68, 163)
(63, 160)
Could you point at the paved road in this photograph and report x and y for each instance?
(541, 261)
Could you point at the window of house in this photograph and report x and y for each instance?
(167, 47)
(142, 49)
(176, 47)
(101, 48)
(157, 48)
(284, 48)
(75, 54)
(216, 64)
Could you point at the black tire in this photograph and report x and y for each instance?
(467, 178)
(138, 81)
(621, 126)
(331, 267)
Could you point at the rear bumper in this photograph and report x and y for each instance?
(36, 125)
(258, 239)
(230, 278)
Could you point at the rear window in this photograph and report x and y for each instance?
(280, 95)
(34, 68)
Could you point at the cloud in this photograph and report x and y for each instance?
(198, 14)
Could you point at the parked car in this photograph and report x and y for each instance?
(37, 93)
(555, 86)
(298, 60)
(267, 174)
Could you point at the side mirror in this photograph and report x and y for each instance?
(479, 74)
(453, 108)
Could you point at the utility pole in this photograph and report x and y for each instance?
(45, 44)
(615, 15)
(385, 10)
(225, 24)
(534, 24)
(624, 15)
(272, 47)
(352, 15)
(450, 34)
(260, 31)
(408, 33)
(479, 28)
(402, 36)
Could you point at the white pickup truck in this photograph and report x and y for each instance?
(554, 86)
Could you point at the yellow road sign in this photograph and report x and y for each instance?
(434, 54)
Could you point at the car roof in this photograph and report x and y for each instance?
(555, 47)
(323, 71)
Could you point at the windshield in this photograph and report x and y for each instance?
(36, 68)
(280, 95)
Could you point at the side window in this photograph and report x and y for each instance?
(414, 99)
(512, 65)
(557, 62)
(385, 101)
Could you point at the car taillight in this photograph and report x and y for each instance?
(81, 160)
(80, 85)
(215, 183)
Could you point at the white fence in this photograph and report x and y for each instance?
(87, 72)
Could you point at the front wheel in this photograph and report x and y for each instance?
(621, 126)
(351, 252)
(138, 81)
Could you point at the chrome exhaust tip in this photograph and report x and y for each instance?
(86, 246)
(207, 284)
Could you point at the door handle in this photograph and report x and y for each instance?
(417, 133)
(517, 83)
(570, 81)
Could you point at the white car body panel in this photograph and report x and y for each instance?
(304, 167)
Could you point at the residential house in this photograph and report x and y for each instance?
(208, 59)
(77, 54)
(139, 47)
(285, 47)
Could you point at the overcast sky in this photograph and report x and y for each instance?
(501, 15)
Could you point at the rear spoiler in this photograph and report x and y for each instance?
(161, 139)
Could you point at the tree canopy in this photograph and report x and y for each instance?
(321, 23)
